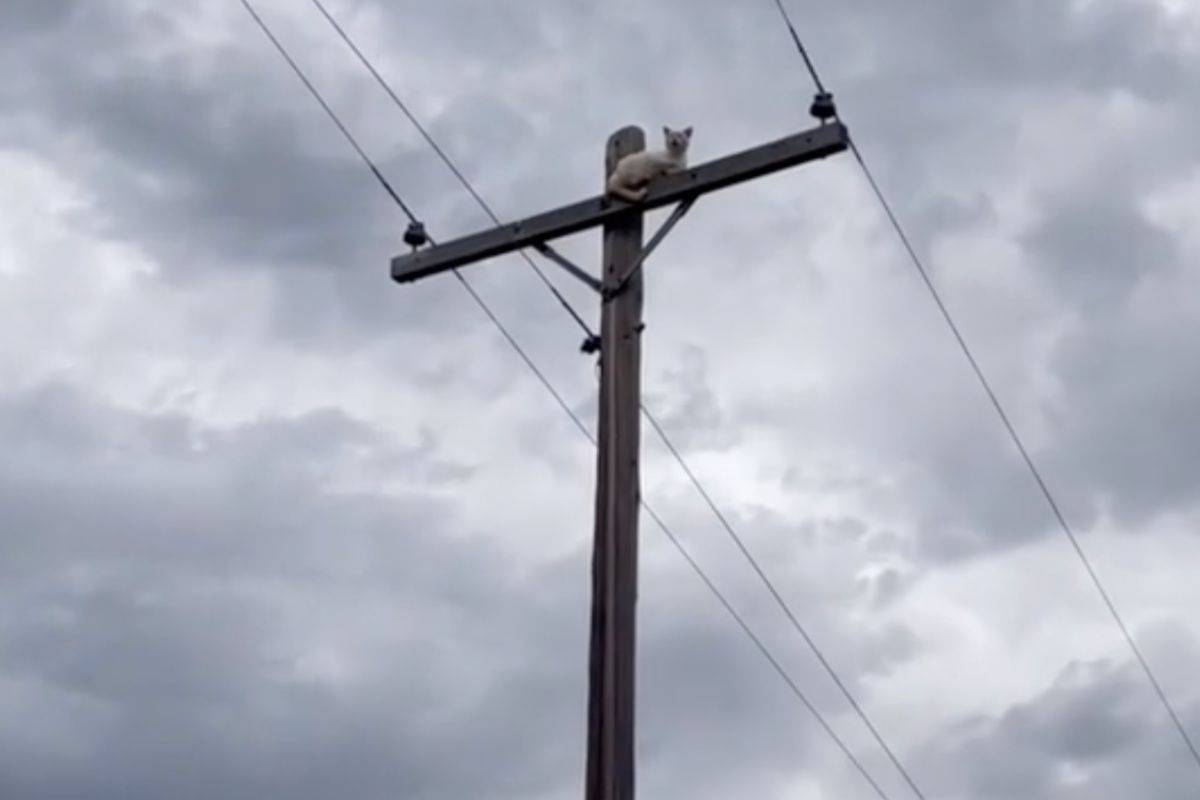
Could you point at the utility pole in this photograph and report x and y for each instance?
(614, 557)
(610, 736)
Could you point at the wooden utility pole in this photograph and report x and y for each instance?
(610, 737)
(614, 555)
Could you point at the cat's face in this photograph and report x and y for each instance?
(677, 141)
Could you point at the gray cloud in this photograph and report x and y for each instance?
(190, 598)
(153, 573)
(309, 603)
(1090, 734)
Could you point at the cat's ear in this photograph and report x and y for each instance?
(666, 131)
(688, 131)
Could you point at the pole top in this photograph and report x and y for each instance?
(629, 139)
(628, 133)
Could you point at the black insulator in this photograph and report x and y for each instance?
(590, 345)
(822, 107)
(415, 236)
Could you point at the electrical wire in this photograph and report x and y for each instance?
(329, 111)
(408, 212)
(762, 648)
(366, 62)
(783, 605)
(812, 70)
(1027, 458)
(1017, 441)
(755, 640)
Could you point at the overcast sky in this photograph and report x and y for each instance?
(274, 526)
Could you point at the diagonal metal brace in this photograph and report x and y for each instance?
(558, 258)
(655, 241)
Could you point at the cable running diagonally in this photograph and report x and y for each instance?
(447, 161)
(329, 111)
(755, 640)
(1028, 459)
(408, 212)
(783, 605)
(1009, 428)
(762, 648)
(812, 70)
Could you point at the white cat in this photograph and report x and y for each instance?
(628, 181)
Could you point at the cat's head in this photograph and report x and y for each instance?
(677, 141)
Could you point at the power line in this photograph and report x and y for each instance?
(1004, 417)
(758, 643)
(366, 62)
(783, 605)
(329, 111)
(404, 108)
(762, 648)
(1029, 462)
(529, 362)
(812, 70)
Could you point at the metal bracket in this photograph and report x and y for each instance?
(558, 258)
(612, 291)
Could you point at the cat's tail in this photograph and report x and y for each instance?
(618, 189)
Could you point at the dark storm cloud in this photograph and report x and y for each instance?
(152, 571)
(1090, 735)
(192, 152)
(216, 159)
(165, 486)
(688, 407)
(167, 586)
(955, 477)
(815, 563)
(724, 702)
(973, 70)
(227, 134)
(946, 87)
(1092, 46)
(197, 611)
(1136, 447)
(1094, 246)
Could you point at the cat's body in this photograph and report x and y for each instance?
(633, 172)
